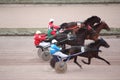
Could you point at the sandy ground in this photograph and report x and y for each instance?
(35, 16)
(19, 61)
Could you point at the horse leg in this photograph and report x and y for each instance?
(75, 61)
(98, 57)
(89, 61)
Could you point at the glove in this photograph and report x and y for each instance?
(60, 48)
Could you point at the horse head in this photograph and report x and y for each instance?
(103, 43)
(105, 26)
(98, 43)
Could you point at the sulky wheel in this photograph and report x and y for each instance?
(46, 55)
(53, 61)
(61, 67)
(39, 52)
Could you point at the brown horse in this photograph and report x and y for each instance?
(97, 28)
(92, 51)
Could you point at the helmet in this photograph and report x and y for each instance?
(51, 20)
(38, 32)
(54, 41)
(78, 23)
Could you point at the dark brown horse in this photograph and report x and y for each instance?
(83, 31)
(92, 51)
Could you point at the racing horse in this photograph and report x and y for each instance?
(84, 31)
(92, 51)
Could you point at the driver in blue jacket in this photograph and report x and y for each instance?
(55, 50)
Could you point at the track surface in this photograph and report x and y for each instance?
(19, 61)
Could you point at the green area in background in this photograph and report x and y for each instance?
(31, 31)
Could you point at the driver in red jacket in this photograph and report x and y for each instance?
(39, 39)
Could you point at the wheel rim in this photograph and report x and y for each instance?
(60, 67)
(46, 56)
(39, 52)
(53, 62)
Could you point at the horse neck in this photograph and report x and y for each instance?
(94, 45)
(99, 28)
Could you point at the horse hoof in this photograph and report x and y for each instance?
(109, 63)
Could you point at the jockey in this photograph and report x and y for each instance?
(52, 32)
(55, 50)
(51, 24)
(39, 39)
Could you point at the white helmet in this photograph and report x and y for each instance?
(51, 20)
(38, 32)
(54, 41)
(78, 23)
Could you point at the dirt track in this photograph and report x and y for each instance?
(19, 61)
(35, 16)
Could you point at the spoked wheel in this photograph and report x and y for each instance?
(53, 61)
(46, 55)
(39, 52)
(61, 67)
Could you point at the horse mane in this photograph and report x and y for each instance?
(91, 19)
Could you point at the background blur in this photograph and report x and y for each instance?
(36, 13)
